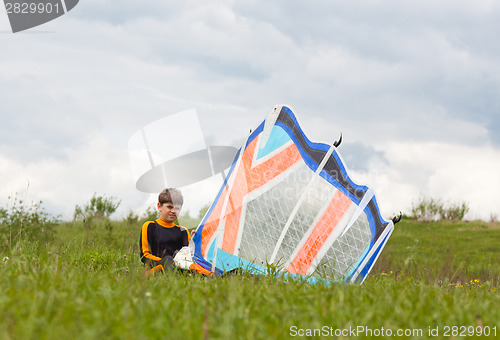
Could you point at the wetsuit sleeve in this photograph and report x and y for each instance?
(186, 237)
(147, 238)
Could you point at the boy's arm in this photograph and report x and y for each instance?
(147, 238)
(186, 236)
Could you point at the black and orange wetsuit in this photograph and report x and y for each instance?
(159, 241)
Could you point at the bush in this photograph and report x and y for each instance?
(98, 208)
(429, 209)
(131, 219)
(21, 221)
(426, 209)
(455, 211)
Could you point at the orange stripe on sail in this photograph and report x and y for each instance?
(248, 179)
(268, 170)
(213, 220)
(233, 209)
(211, 223)
(231, 231)
(327, 223)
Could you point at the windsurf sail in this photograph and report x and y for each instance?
(289, 204)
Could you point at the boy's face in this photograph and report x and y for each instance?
(168, 211)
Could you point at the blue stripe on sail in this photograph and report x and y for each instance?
(227, 262)
(369, 264)
(348, 276)
(210, 252)
(277, 138)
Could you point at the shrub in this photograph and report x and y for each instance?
(131, 219)
(493, 217)
(430, 209)
(426, 209)
(99, 207)
(455, 211)
(21, 221)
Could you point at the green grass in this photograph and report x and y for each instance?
(433, 252)
(89, 284)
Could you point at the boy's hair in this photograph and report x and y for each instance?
(171, 195)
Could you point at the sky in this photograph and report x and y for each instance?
(413, 87)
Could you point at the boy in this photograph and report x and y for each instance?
(160, 240)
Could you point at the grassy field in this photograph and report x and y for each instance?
(89, 284)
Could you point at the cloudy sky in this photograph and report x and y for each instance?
(412, 86)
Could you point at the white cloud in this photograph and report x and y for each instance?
(414, 81)
(61, 184)
(450, 172)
